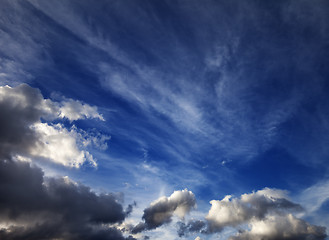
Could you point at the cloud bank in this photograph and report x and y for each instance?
(35, 207)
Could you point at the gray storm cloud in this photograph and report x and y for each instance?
(35, 207)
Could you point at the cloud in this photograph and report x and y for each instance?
(26, 130)
(314, 196)
(233, 211)
(60, 145)
(35, 207)
(268, 213)
(281, 227)
(74, 110)
(162, 210)
(192, 226)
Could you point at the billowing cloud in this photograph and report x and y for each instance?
(61, 145)
(233, 211)
(162, 210)
(281, 227)
(35, 207)
(267, 213)
(26, 130)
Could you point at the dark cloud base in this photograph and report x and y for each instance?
(51, 208)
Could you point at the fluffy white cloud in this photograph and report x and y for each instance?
(74, 110)
(281, 227)
(267, 213)
(27, 131)
(60, 145)
(234, 211)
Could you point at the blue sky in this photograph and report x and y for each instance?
(145, 98)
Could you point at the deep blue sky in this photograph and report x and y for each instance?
(219, 97)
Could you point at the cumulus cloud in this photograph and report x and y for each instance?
(162, 210)
(282, 227)
(60, 144)
(35, 207)
(26, 130)
(234, 211)
(267, 213)
(74, 110)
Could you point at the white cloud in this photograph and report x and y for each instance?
(281, 227)
(75, 110)
(314, 196)
(60, 145)
(235, 211)
(263, 215)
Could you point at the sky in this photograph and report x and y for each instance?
(164, 119)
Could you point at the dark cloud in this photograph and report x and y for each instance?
(191, 227)
(36, 207)
(161, 211)
(130, 208)
(20, 108)
(33, 206)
